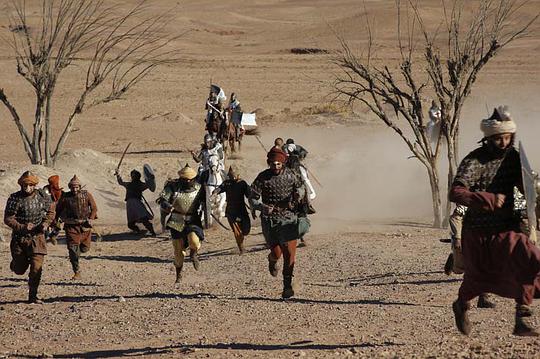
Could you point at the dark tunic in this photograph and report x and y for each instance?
(498, 257)
(136, 210)
(236, 210)
(280, 193)
(22, 209)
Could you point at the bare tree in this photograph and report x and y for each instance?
(447, 72)
(115, 49)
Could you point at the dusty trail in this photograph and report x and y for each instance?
(370, 281)
(365, 288)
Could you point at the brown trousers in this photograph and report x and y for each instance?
(24, 256)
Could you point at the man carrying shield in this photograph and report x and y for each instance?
(182, 198)
(137, 211)
(498, 257)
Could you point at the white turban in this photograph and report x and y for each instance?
(500, 122)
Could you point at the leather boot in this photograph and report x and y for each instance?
(272, 267)
(32, 296)
(178, 275)
(288, 290)
(76, 275)
(462, 318)
(194, 259)
(449, 264)
(523, 326)
(484, 302)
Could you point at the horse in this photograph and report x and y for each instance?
(214, 204)
(234, 135)
(216, 124)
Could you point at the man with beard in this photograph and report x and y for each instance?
(182, 198)
(54, 190)
(499, 258)
(136, 210)
(28, 212)
(236, 189)
(275, 194)
(77, 209)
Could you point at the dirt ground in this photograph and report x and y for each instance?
(370, 281)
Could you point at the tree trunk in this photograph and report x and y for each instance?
(435, 195)
(452, 168)
(36, 137)
(48, 159)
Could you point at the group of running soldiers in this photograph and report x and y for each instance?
(35, 215)
(497, 256)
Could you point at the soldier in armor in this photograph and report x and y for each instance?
(236, 189)
(275, 194)
(214, 107)
(28, 213)
(54, 190)
(182, 198)
(210, 147)
(234, 107)
(77, 209)
(164, 214)
(135, 208)
(292, 148)
(499, 258)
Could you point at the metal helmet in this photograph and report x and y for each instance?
(208, 138)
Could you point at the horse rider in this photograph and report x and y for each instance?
(214, 105)
(234, 107)
(210, 147)
(182, 198)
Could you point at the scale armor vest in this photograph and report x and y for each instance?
(28, 209)
(75, 206)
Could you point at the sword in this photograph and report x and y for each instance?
(122, 158)
(312, 175)
(148, 205)
(215, 109)
(219, 222)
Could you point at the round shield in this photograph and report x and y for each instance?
(149, 177)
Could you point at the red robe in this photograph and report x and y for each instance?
(503, 262)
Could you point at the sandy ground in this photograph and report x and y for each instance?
(370, 282)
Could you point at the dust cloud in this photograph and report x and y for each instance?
(365, 175)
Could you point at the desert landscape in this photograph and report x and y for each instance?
(370, 281)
